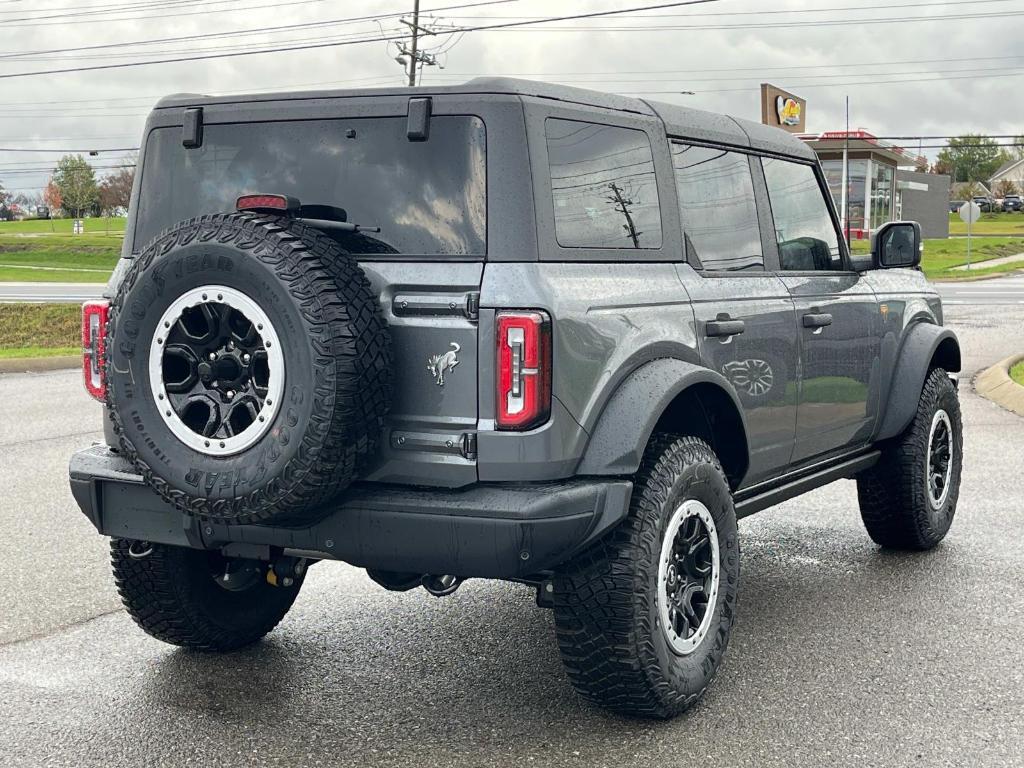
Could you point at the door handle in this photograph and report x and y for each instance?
(724, 327)
(817, 320)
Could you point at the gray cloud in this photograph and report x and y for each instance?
(113, 104)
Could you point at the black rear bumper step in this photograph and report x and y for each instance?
(492, 530)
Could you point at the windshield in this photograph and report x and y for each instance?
(427, 197)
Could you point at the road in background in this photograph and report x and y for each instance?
(842, 653)
(61, 293)
(996, 290)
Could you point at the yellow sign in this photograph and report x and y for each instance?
(782, 109)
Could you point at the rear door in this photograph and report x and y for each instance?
(744, 313)
(837, 315)
(421, 204)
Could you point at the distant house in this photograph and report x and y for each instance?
(1011, 171)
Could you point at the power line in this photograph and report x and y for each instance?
(242, 32)
(205, 11)
(380, 38)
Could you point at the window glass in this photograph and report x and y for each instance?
(881, 194)
(856, 188)
(804, 230)
(717, 208)
(427, 197)
(603, 185)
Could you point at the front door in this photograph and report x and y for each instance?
(837, 318)
(837, 322)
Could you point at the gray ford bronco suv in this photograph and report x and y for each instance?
(502, 330)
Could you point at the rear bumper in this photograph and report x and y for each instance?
(493, 530)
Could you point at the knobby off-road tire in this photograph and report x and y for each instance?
(900, 503)
(335, 367)
(172, 594)
(606, 601)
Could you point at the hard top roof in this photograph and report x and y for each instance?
(679, 120)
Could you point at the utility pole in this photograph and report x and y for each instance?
(410, 56)
(622, 206)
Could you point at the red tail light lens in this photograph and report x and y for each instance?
(524, 369)
(94, 347)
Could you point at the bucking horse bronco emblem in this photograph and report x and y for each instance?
(439, 365)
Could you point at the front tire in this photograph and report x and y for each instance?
(643, 617)
(179, 595)
(908, 499)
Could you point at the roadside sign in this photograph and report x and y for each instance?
(970, 212)
(78, 227)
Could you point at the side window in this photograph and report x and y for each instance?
(603, 185)
(803, 227)
(717, 208)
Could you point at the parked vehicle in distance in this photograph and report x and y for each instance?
(985, 203)
(956, 205)
(42, 212)
(505, 330)
(1012, 204)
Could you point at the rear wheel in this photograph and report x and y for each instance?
(643, 617)
(908, 499)
(199, 599)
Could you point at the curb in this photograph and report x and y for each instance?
(995, 384)
(39, 364)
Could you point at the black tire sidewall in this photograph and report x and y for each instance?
(689, 675)
(140, 305)
(940, 393)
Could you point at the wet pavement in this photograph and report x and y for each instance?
(842, 654)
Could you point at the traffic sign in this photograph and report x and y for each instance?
(970, 212)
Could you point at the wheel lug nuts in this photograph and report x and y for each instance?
(230, 393)
(245, 358)
(212, 356)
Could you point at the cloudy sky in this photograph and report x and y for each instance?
(908, 66)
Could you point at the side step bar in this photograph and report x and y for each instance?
(815, 478)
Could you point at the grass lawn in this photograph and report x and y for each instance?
(989, 224)
(1017, 373)
(85, 258)
(40, 330)
(940, 255)
(115, 225)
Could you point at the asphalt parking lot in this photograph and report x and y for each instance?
(843, 654)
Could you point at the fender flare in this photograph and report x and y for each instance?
(618, 441)
(920, 345)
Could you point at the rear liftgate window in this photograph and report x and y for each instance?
(427, 197)
(603, 186)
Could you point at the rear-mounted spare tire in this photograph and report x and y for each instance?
(248, 368)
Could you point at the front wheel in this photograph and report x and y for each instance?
(643, 617)
(199, 599)
(908, 499)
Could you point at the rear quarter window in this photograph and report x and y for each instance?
(602, 185)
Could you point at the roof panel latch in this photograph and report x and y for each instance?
(418, 127)
(192, 128)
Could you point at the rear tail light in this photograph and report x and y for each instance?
(94, 347)
(267, 203)
(524, 369)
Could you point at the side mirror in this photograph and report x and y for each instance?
(897, 245)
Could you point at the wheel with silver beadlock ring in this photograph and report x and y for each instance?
(248, 368)
(643, 617)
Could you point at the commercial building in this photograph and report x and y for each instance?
(871, 180)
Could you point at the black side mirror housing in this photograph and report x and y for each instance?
(897, 245)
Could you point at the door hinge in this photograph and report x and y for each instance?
(473, 306)
(469, 445)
